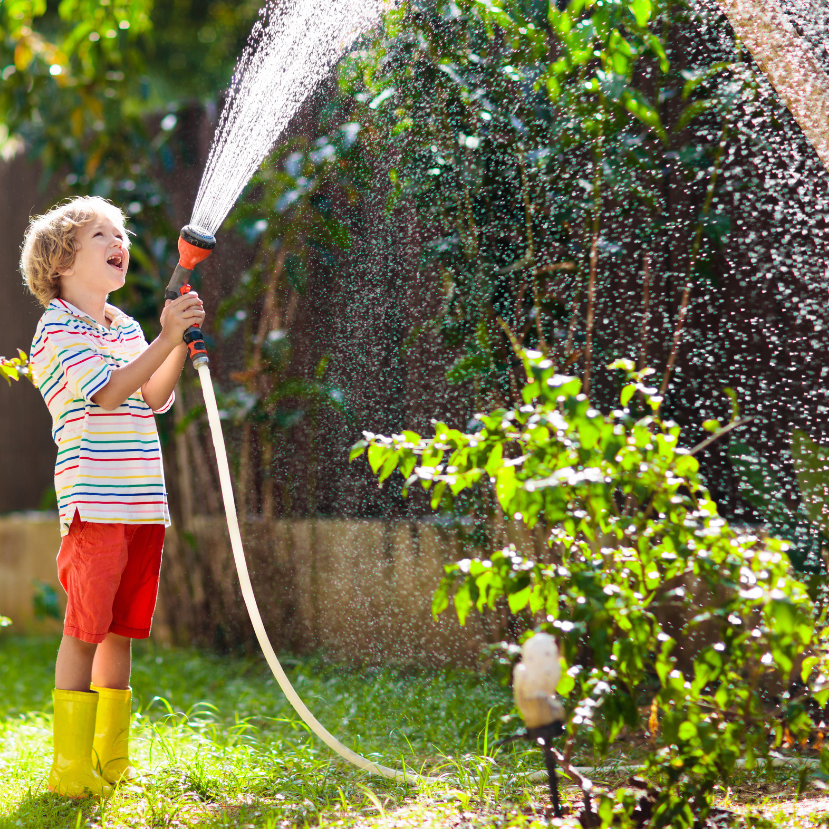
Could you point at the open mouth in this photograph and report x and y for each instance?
(116, 260)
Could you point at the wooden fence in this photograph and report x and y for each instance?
(357, 590)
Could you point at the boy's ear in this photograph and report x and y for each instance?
(70, 271)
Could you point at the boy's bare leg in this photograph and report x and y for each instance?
(73, 669)
(111, 666)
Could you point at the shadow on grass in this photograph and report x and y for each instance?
(45, 810)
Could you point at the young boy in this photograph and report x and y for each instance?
(102, 384)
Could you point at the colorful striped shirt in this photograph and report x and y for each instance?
(109, 466)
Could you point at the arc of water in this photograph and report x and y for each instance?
(787, 62)
(291, 49)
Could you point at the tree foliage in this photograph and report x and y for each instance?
(543, 142)
(96, 93)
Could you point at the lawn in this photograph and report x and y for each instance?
(218, 746)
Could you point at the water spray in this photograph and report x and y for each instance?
(292, 48)
(194, 246)
(192, 253)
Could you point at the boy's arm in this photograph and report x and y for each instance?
(157, 390)
(176, 318)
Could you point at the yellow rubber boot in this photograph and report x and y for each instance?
(111, 747)
(72, 774)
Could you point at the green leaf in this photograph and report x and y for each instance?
(692, 111)
(553, 86)
(357, 450)
(495, 460)
(636, 103)
(537, 598)
(469, 368)
(437, 494)
(641, 10)
(389, 466)
(659, 50)
(622, 364)
(784, 614)
(463, 602)
(811, 465)
(809, 664)
(565, 684)
(376, 456)
(696, 77)
(751, 758)
(627, 393)
(518, 601)
(440, 599)
(506, 486)
(735, 404)
(686, 466)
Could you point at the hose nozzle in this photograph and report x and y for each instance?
(194, 246)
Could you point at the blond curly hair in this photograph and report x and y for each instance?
(50, 244)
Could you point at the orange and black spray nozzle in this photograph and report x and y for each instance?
(194, 246)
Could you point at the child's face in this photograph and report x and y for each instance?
(101, 259)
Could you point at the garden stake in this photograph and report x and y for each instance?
(543, 737)
(534, 682)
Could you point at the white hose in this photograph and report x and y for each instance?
(250, 600)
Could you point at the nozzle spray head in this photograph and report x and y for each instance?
(194, 246)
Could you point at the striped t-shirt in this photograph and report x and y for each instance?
(109, 466)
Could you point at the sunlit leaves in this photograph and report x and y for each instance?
(511, 87)
(641, 11)
(633, 537)
(14, 368)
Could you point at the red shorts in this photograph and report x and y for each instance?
(110, 575)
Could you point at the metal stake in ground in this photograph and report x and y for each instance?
(543, 736)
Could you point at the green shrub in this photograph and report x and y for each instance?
(633, 538)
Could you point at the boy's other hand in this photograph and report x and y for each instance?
(179, 314)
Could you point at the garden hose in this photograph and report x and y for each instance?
(253, 609)
(194, 246)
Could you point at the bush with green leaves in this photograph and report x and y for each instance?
(635, 543)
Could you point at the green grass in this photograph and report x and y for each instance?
(218, 746)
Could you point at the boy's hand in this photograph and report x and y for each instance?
(179, 314)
